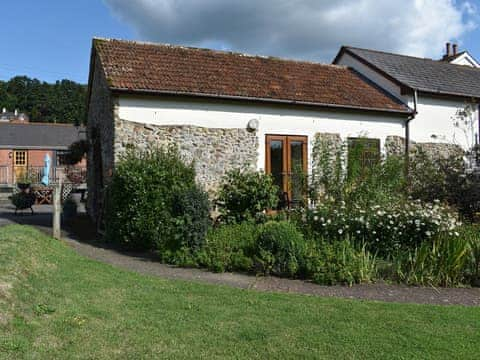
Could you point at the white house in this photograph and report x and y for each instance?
(228, 110)
(452, 56)
(435, 90)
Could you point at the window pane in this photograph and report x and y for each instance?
(296, 163)
(62, 157)
(363, 154)
(20, 158)
(276, 162)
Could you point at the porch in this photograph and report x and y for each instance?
(73, 178)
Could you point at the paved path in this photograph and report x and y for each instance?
(146, 264)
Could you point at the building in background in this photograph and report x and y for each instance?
(438, 91)
(23, 146)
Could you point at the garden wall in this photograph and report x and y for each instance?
(214, 150)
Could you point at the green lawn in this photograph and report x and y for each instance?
(57, 304)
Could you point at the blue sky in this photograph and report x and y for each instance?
(51, 39)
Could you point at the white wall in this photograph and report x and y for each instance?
(380, 80)
(272, 119)
(465, 59)
(435, 117)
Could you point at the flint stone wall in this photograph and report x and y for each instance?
(214, 151)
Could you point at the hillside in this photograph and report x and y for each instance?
(61, 102)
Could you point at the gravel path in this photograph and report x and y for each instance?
(146, 264)
(382, 292)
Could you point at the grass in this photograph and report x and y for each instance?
(57, 304)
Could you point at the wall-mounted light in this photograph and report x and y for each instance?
(252, 125)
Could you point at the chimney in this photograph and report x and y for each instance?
(16, 112)
(448, 49)
(4, 110)
(455, 48)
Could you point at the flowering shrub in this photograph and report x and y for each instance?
(384, 229)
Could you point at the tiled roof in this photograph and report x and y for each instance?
(425, 75)
(39, 135)
(164, 69)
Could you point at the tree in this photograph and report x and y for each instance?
(62, 102)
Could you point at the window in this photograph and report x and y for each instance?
(62, 157)
(20, 158)
(286, 161)
(363, 153)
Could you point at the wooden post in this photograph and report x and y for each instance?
(57, 210)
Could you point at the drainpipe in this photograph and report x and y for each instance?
(407, 131)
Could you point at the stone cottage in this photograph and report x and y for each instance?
(227, 110)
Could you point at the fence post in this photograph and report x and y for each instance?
(57, 209)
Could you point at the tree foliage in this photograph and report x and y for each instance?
(61, 102)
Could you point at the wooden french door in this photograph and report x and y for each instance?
(20, 163)
(286, 161)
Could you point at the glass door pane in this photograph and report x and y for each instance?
(296, 170)
(276, 162)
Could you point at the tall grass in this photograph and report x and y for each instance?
(444, 261)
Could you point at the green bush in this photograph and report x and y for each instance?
(230, 247)
(141, 204)
(191, 210)
(244, 195)
(280, 249)
(77, 151)
(333, 177)
(339, 263)
(447, 180)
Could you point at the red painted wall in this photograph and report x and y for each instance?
(35, 159)
(4, 157)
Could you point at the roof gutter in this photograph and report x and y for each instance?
(259, 99)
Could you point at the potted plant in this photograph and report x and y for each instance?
(23, 200)
(24, 180)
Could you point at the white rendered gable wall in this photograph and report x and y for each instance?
(465, 59)
(272, 119)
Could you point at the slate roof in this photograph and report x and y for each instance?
(39, 135)
(165, 69)
(424, 75)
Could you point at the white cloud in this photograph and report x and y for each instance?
(309, 29)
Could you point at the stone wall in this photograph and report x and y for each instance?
(395, 145)
(100, 133)
(323, 143)
(214, 151)
(327, 152)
